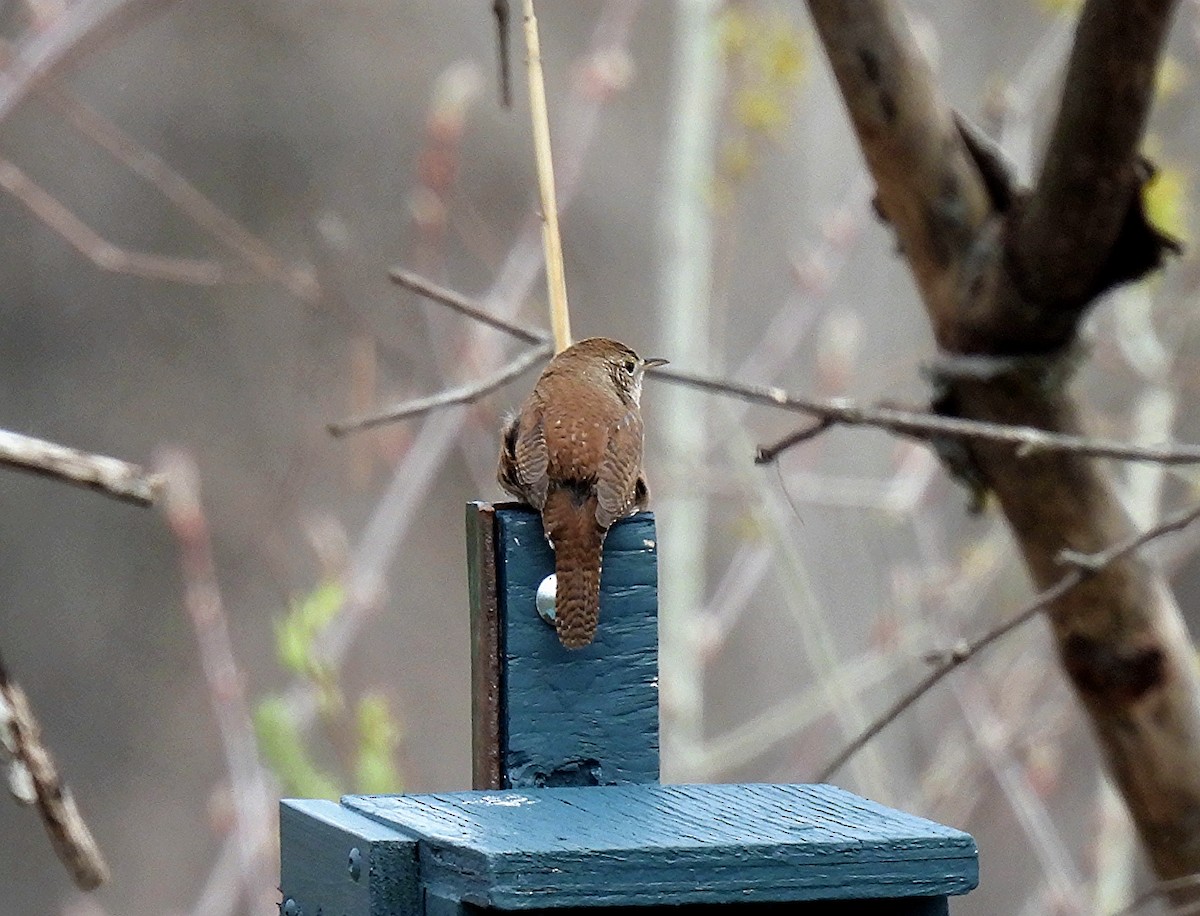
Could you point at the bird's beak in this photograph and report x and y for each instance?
(656, 361)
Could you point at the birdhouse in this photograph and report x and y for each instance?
(568, 815)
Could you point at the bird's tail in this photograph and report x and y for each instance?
(570, 523)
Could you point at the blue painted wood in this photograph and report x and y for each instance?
(594, 833)
(904, 906)
(651, 845)
(587, 716)
(334, 862)
(437, 905)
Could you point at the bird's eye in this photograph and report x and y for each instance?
(630, 365)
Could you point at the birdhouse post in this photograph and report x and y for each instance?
(567, 813)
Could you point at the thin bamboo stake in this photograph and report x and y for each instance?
(556, 281)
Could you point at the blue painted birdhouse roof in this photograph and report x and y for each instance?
(655, 845)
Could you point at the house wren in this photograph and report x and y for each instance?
(574, 453)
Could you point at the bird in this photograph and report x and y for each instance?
(574, 452)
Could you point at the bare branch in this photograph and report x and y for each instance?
(257, 254)
(829, 412)
(96, 472)
(103, 253)
(70, 37)
(1083, 566)
(766, 454)
(466, 394)
(926, 426)
(461, 304)
(226, 686)
(34, 780)
(1089, 178)
(173, 186)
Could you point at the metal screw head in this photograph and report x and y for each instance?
(355, 863)
(545, 598)
(290, 908)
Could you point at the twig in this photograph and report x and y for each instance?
(461, 304)
(149, 166)
(227, 695)
(925, 426)
(464, 394)
(99, 250)
(1083, 566)
(766, 454)
(556, 281)
(110, 476)
(34, 780)
(501, 12)
(920, 425)
(177, 189)
(1092, 563)
(71, 36)
(1042, 836)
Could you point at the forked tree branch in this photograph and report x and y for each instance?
(464, 394)
(1089, 178)
(1119, 632)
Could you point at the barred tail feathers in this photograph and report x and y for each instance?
(570, 523)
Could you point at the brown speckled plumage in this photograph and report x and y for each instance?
(574, 453)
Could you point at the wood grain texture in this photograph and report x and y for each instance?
(485, 646)
(643, 845)
(903, 906)
(316, 840)
(585, 716)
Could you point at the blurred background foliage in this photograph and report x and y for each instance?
(199, 220)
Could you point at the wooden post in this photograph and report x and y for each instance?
(573, 820)
(543, 715)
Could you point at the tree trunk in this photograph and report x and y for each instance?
(1005, 277)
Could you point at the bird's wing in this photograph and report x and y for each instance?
(531, 454)
(619, 469)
